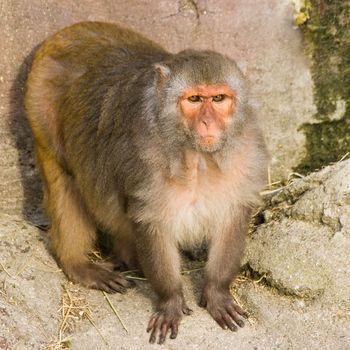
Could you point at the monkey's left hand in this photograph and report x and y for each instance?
(167, 318)
(224, 311)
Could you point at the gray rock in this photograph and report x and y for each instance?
(304, 248)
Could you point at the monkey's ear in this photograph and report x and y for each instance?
(162, 70)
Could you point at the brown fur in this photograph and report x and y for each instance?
(115, 151)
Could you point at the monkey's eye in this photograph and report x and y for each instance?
(194, 98)
(218, 98)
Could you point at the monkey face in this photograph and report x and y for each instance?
(203, 97)
(206, 111)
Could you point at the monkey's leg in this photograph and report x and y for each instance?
(124, 249)
(160, 261)
(73, 231)
(226, 248)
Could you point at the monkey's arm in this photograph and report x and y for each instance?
(160, 262)
(223, 264)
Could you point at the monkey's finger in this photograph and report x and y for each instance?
(218, 318)
(112, 288)
(240, 310)
(152, 338)
(117, 287)
(121, 280)
(228, 321)
(232, 312)
(155, 330)
(174, 331)
(131, 283)
(163, 332)
(187, 311)
(151, 323)
(106, 288)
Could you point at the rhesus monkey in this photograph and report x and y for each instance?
(161, 150)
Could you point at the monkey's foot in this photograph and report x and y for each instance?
(223, 310)
(167, 318)
(99, 275)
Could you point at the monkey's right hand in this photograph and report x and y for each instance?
(167, 318)
(99, 275)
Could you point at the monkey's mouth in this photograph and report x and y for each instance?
(208, 140)
(208, 143)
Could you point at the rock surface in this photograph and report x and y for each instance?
(303, 248)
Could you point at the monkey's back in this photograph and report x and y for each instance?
(81, 54)
(87, 41)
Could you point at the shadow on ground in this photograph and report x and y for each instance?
(19, 126)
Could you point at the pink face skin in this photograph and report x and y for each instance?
(208, 110)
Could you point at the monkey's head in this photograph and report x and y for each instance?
(202, 97)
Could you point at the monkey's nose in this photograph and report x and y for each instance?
(206, 121)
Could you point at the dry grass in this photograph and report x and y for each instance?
(272, 187)
(277, 186)
(4, 295)
(74, 308)
(233, 289)
(139, 278)
(344, 157)
(115, 312)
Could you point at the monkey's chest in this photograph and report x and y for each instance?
(197, 209)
